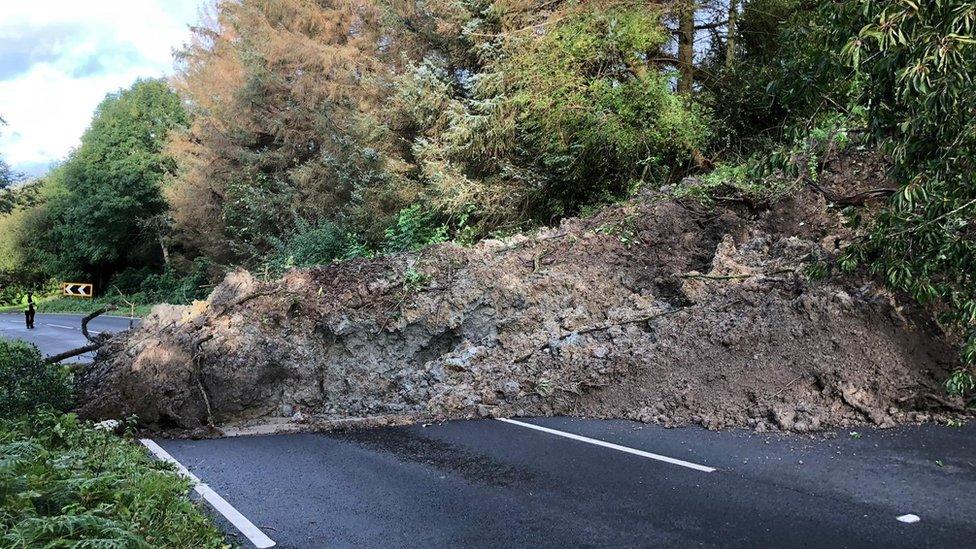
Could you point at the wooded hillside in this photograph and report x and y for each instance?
(299, 132)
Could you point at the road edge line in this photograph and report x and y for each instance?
(588, 440)
(246, 527)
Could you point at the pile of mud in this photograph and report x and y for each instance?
(655, 310)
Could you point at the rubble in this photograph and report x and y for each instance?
(654, 310)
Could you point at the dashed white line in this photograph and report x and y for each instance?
(908, 519)
(60, 326)
(588, 440)
(252, 532)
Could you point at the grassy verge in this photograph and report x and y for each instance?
(19, 307)
(64, 483)
(80, 306)
(85, 306)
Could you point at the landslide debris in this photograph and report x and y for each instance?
(655, 310)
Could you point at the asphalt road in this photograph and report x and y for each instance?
(495, 484)
(56, 333)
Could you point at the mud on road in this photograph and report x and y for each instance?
(656, 310)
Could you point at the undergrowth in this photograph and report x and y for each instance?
(64, 483)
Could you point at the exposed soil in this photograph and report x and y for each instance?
(653, 310)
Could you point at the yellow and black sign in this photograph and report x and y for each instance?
(77, 289)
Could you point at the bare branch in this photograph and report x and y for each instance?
(54, 359)
(92, 316)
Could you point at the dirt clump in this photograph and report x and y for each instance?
(655, 310)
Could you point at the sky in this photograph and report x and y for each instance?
(59, 58)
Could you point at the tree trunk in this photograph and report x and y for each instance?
(162, 246)
(686, 46)
(730, 40)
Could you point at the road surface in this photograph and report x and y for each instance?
(493, 484)
(577, 482)
(56, 333)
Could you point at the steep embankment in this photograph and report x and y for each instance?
(655, 310)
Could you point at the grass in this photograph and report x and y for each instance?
(85, 306)
(19, 307)
(64, 483)
(57, 304)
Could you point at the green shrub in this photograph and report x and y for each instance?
(537, 125)
(26, 383)
(178, 288)
(415, 228)
(312, 244)
(915, 62)
(84, 306)
(594, 114)
(66, 484)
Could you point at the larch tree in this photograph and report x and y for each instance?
(286, 95)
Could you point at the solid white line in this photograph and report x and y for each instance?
(253, 533)
(612, 446)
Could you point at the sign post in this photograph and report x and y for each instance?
(77, 289)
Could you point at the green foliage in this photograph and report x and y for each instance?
(960, 382)
(915, 62)
(786, 70)
(415, 228)
(624, 231)
(595, 115)
(535, 125)
(776, 169)
(26, 383)
(414, 280)
(112, 187)
(310, 245)
(15, 284)
(65, 484)
(170, 286)
(85, 306)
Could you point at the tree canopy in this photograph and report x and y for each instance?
(112, 186)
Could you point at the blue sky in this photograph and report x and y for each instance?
(58, 59)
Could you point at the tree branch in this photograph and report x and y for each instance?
(92, 316)
(95, 342)
(54, 359)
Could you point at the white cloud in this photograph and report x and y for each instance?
(58, 59)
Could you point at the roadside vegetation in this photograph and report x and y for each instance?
(65, 483)
(298, 133)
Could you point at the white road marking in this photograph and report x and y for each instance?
(253, 533)
(96, 332)
(612, 446)
(909, 518)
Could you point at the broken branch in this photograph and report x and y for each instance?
(92, 316)
(95, 343)
(54, 359)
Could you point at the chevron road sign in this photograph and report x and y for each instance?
(77, 289)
